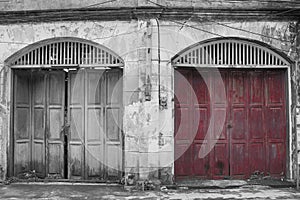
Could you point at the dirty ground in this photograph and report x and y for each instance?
(97, 191)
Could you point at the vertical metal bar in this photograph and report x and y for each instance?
(47, 56)
(51, 54)
(42, 53)
(221, 54)
(71, 53)
(75, 53)
(35, 56)
(232, 53)
(240, 52)
(246, 55)
(213, 58)
(225, 54)
(200, 56)
(236, 53)
(80, 56)
(67, 53)
(101, 56)
(194, 62)
(57, 53)
(197, 56)
(96, 56)
(255, 56)
(261, 56)
(27, 60)
(90, 55)
(32, 58)
(208, 54)
(60, 53)
(85, 54)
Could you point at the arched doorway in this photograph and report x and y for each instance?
(239, 113)
(67, 108)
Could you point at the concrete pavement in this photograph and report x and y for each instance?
(66, 191)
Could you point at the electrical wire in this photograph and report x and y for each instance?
(194, 27)
(97, 4)
(221, 24)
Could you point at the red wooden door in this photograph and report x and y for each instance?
(253, 136)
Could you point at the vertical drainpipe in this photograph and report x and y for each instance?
(297, 164)
(158, 56)
(295, 107)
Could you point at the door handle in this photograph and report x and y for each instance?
(65, 129)
(229, 125)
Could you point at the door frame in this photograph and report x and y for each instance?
(288, 99)
(89, 55)
(232, 52)
(46, 116)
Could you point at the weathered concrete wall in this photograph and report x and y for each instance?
(118, 36)
(148, 125)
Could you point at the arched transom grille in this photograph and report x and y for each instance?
(66, 52)
(228, 52)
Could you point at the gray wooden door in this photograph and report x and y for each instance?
(38, 118)
(95, 140)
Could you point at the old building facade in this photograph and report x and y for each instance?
(168, 90)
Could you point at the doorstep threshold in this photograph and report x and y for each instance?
(66, 183)
(38, 181)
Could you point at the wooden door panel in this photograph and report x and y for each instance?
(182, 88)
(275, 123)
(238, 121)
(276, 159)
(95, 117)
(22, 125)
(274, 87)
(256, 127)
(256, 84)
(182, 128)
(22, 115)
(55, 160)
(113, 119)
(220, 161)
(75, 166)
(76, 118)
(203, 122)
(114, 161)
(239, 160)
(201, 166)
(238, 126)
(113, 123)
(257, 157)
(55, 116)
(219, 126)
(94, 155)
(22, 157)
(39, 118)
(254, 135)
(94, 125)
(183, 166)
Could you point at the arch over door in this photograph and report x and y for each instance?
(253, 137)
(66, 122)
